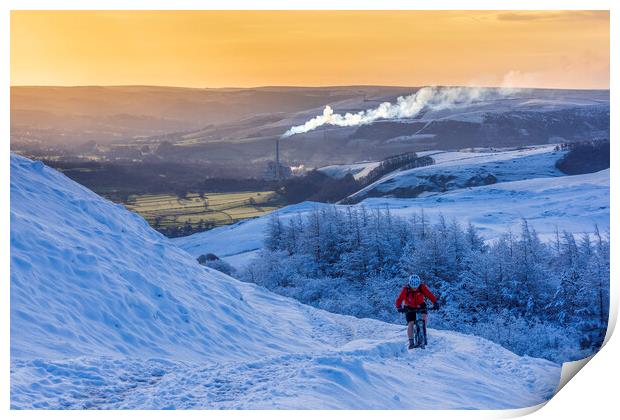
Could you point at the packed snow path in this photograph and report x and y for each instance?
(453, 372)
(107, 313)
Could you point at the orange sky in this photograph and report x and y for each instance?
(258, 48)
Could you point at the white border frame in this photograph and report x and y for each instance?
(592, 395)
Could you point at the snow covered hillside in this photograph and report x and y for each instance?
(572, 203)
(107, 313)
(454, 170)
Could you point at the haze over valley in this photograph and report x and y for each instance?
(239, 126)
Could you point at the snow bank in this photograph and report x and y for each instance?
(107, 313)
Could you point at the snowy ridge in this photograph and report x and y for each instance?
(572, 203)
(454, 170)
(107, 313)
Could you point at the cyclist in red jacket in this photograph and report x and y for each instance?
(413, 295)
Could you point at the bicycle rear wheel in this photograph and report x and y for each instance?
(420, 340)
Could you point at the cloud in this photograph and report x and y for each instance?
(565, 72)
(553, 15)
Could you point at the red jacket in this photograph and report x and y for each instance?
(415, 297)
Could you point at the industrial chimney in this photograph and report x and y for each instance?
(277, 170)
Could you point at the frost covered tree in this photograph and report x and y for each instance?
(546, 299)
(275, 233)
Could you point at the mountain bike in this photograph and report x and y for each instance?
(419, 328)
(419, 325)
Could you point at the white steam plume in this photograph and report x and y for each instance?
(431, 98)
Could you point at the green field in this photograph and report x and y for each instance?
(167, 210)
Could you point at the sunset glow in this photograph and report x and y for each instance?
(258, 48)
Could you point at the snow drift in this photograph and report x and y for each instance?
(108, 313)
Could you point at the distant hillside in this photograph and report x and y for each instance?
(240, 126)
(107, 114)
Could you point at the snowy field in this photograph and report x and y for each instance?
(572, 203)
(107, 313)
(462, 169)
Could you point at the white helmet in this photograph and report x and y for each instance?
(414, 281)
